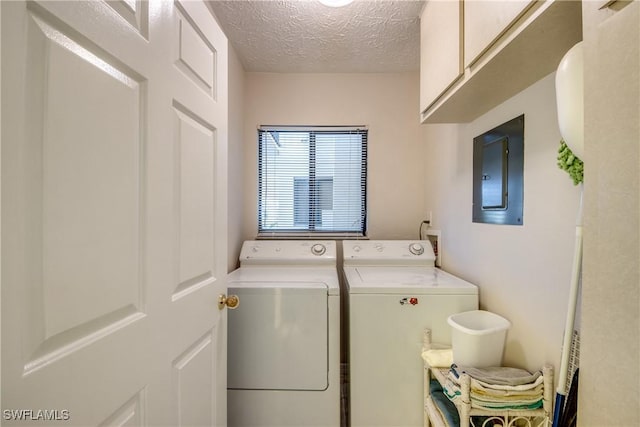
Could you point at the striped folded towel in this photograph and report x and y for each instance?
(506, 406)
(496, 376)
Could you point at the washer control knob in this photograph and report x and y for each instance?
(318, 249)
(357, 248)
(416, 249)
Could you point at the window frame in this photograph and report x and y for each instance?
(311, 232)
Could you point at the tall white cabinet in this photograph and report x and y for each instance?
(610, 312)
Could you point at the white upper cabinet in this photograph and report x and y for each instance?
(485, 21)
(476, 54)
(441, 47)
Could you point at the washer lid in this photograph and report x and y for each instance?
(402, 280)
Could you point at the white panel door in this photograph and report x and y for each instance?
(113, 213)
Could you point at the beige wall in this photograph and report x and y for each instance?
(386, 103)
(524, 271)
(235, 152)
(610, 350)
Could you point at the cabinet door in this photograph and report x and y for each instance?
(440, 49)
(485, 21)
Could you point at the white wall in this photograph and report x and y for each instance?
(523, 271)
(386, 103)
(235, 154)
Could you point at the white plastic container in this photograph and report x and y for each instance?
(477, 338)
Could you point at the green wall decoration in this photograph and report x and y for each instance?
(569, 162)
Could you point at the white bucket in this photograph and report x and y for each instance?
(477, 338)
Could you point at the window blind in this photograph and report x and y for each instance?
(312, 180)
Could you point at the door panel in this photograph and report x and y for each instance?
(113, 214)
(135, 12)
(195, 54)
(195, 147)
(192, 384)
(131, 414)
(78, 189)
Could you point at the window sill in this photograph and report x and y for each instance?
(310, 236)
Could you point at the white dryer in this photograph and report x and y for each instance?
(284, 338)
(395, 292)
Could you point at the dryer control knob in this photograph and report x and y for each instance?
(318, 249)
(416, 249)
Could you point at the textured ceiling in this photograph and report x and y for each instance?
(306, 36)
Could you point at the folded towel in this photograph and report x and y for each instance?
(453, 392)
(499, 375)
(506, 406)
(438, 358)
(532, 389)
(446, 408)
(511, 400)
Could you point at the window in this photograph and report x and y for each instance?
(312, 181)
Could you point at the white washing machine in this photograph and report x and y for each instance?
(395, 292)
(284, 338)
